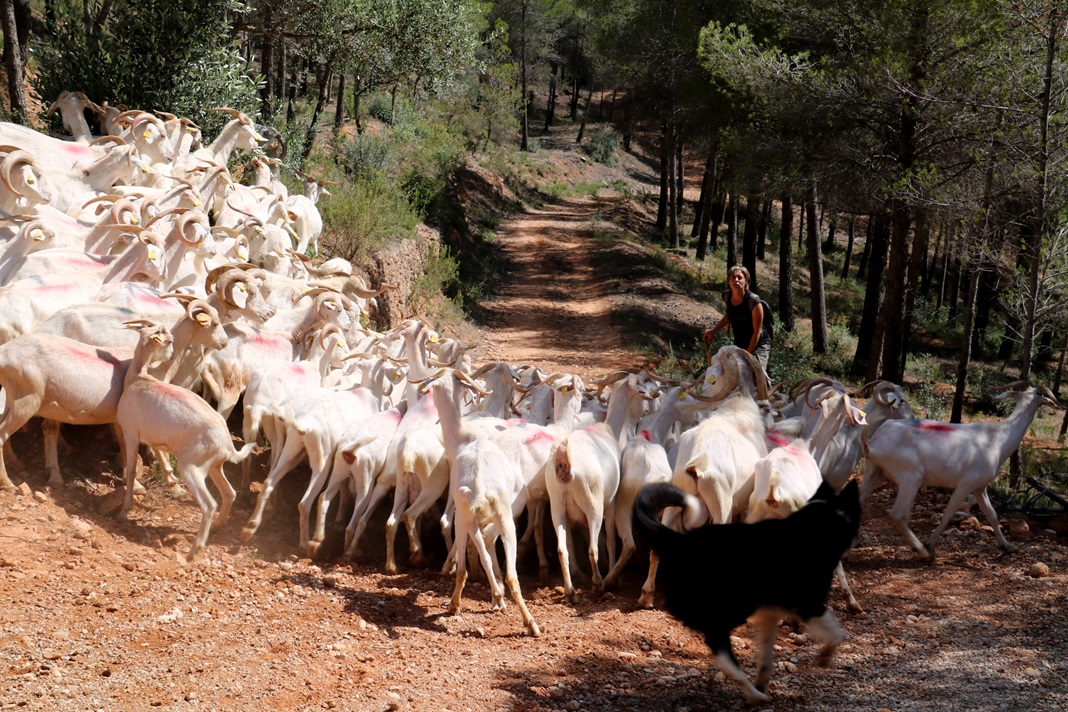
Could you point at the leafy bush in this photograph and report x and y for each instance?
(379, 106)
(362, 156)
(169, 55)
(441, 276)
(364, 215)
(602, 146)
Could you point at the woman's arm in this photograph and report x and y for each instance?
(758, 326)
(711, 333)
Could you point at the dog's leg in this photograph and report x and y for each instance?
(766, 624)
(825, 629)
(853, 604)
(729, 665)
(649, 587)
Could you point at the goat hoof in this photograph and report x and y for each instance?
(826, 655)
(56, 483)
(534, 630)
(417, 559)
(1010, 549)
(247, 532)
(313, 549)
(756, 697)
(391, 569)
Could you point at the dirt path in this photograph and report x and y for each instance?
(553, 309)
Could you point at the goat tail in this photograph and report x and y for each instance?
(239, 455)
(652, 499)
(562, 464)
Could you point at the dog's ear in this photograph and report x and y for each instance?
(825, 493)
(851, 491)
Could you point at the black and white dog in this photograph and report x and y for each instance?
(716, 576)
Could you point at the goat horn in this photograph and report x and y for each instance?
(187, 298)
(14, 158)
(483, 370)
(1016, 385)
(108, 139)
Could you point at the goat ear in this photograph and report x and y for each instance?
(824, 493)
(851, 491)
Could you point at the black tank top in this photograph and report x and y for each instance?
(741, 319)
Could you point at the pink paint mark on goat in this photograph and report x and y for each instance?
(776, 439)
(84, 355)
(539, 437)
(792, 451)
(53, 287)
(266, 340)
(932, 426)
(645, 435)
(175, 391)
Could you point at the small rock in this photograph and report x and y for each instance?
(1039, 570)
(40, 497)
(330, 581)
(628, 656)
(23, 490)
(572, 706)
(970, 524)
(1032, 672)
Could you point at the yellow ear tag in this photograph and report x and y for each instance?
(259, 230)
(365, 312)
(31, 181)
(146, 134)
(196, 202)
(152, 254)
(203, 319)
(158, 338)
(134, 220)
(242, 252)
(862, 414)
(565, 389)
(37, 234)
(330, 304)
(342, 345)
(242, 287)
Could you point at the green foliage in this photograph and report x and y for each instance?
(362, 156)
(364, 215)
(169, 55)
(925, 399)
(602, 146)
(440, 276)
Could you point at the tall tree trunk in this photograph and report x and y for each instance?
(866, 252)
(524, 119)
(550, 105)
(673, 190)
(291, 95)
(1056, 18)
(815, 268)
(732, 231)
(801, 212)
(892, 311)
(719, 216)
(699, 216)
(280, 74)
(921, 236)
(762, 229)
(573, 107)
(932, 266)
(866, 358)
(786, 264)
(966, 350)
(832, 227)
(356, 94)
(849, 246)
(267, 63)
(749, 236)
(706, 205)
(339, 112)
(665, 174)
(680, 173)
(585, 115)
(15, 64)
(322, 77)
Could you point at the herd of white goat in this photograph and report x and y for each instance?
(141, 281)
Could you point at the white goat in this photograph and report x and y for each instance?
(964, 457)
(488, 490)
(176, 421)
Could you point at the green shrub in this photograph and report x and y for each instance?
(363, 215)
(440, 276)
(362, 156)
(378, 107)
(169, 55)
(602, 146)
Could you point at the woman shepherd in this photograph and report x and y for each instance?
(745, 317)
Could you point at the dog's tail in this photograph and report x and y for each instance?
(653, 499)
